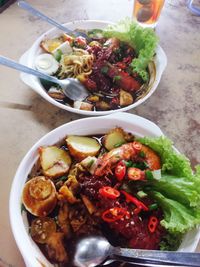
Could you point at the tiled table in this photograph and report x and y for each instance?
(25, 117)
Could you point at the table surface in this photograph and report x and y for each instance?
(25, 116)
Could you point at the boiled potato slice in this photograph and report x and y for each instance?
(54, 161)
(113, 138)
(125, 98)
(81, 147)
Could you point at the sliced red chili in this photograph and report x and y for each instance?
(140, 206)
(120, 171)
(114, 214)
(135, 174)
(109, 192)
(137, 146)
(81, 41)
(152, 224)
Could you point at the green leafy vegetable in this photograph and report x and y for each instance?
(177, 192)
(178, 218)
(171, 242)
(143, 40)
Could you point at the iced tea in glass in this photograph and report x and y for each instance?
(147, 12)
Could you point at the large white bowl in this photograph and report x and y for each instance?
(99, 125)
(29, 57)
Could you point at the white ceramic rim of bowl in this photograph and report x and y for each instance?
(29, 56)
(94, 125)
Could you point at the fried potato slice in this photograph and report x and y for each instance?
(81, 147)
(113, 138)
(54, 161)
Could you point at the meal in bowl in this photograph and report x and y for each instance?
(114, 64)
(137, 192)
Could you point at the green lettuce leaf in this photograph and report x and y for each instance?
(143, 40)
(172, 162)
(178, 218)
(178, 190)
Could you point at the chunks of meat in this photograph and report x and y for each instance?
(55, 248)
(123, 79)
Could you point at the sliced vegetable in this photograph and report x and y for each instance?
(115, 214)
(42, 228)
(39, 196)
(141, 194)
(54, 161)
(152, 224)
(149, 175)
(140, 206)
(81, 147)
(115, 136)
(109, 192)
(89, 163)
(153, 206)
(46, 63)
(135, 174)
(120, 170)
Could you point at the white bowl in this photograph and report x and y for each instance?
(29, 57)
(131, 123)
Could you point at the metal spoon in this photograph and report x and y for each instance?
(40, 15)
(72, 88)
(93, 251)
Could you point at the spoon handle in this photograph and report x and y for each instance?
(14, 65)
(37, 13)
(156, 256)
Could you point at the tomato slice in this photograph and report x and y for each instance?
(120, 171)
(41, 229)
(114, 214)
(135, 174)
(109, 192)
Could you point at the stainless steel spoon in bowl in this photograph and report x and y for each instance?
(93, 251)
(72, 88)
(40, 15)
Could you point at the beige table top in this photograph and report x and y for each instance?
(25, 117)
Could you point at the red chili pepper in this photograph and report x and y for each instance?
(137, 146)
(81, 41)
(135, 174)
(152, 224)
(121, 65)
(120, 171)
(114, 214)
(109, 192)
(140, 206)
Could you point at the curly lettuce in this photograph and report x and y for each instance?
(143, 40)
(177, 192)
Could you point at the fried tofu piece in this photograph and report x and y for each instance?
(55, 248)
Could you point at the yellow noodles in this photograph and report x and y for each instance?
(79, 62)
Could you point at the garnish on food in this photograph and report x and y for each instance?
(114, 67)
(138, 192)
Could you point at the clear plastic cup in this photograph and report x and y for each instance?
(147, 12)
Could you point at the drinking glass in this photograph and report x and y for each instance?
(147, 12)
